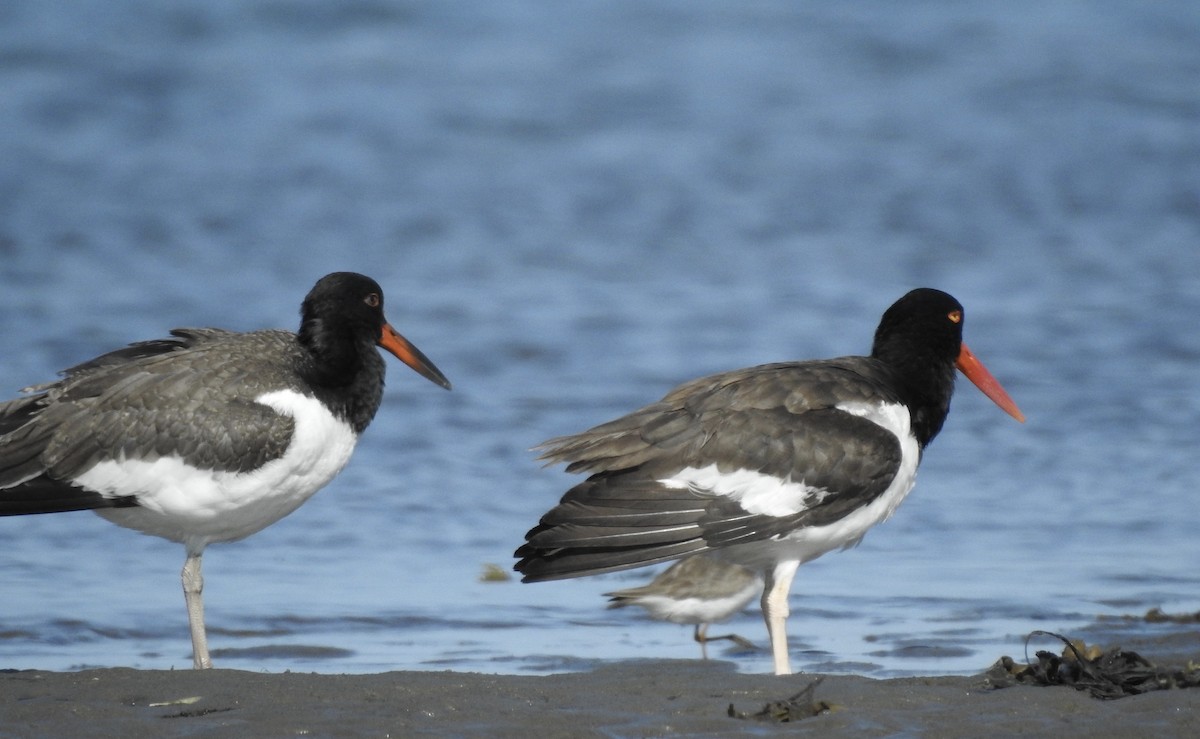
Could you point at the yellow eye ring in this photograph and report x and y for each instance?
(955, 316)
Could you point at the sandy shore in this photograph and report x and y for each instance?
(633, 699)
(642, 698)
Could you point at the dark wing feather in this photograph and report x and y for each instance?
(185, 396)
(851, 458)
(777, 420)
(691, 414)
(44, 495)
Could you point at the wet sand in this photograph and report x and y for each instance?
(642, 698)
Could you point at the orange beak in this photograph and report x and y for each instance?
(970, 366)
(403, 350)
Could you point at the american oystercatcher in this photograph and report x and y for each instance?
(771, 466)
(208, 436)
(700, 590)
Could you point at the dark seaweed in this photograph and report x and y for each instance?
(799, 706)
(1105, 674)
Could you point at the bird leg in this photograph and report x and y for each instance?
(193, 587)
(775, 612)
(703, 638)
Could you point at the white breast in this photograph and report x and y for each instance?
(197, 507)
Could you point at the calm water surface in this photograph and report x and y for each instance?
(572, 209)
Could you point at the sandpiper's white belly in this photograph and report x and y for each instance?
(695, 610)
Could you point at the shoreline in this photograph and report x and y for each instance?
(633, 698)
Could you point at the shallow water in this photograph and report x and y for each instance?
(572, 210)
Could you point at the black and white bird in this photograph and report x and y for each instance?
(210, 435)
(773, 465)
(700, 590)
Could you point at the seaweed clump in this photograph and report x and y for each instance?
(1105, 674)
(799, 706)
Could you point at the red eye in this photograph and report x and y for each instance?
(955, 316)
(372, 300)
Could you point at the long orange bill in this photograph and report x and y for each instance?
(970, 366)
(403, 350)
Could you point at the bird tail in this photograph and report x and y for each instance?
(43, 495)
(612, 522)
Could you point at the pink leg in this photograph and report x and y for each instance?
(775, 612)
(193, 587)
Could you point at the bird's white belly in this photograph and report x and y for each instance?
(699, 610)
(808, 543)
(812, 541)
(766, 495)
(197, 507)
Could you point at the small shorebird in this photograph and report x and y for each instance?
(700, 590)
(774, 465)
(208, 436)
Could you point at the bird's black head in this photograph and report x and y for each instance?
(340, 320)
(919, 338)
(926, 326)
(342, 305)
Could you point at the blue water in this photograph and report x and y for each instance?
(573, 207)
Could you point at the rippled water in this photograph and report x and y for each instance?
(572, 209)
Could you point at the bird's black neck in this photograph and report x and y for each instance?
(347, 375)
(924, 384)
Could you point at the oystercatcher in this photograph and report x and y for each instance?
(210, 435)
(772, 465)
(700, 590)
